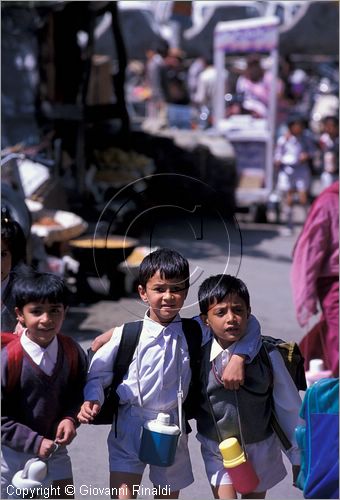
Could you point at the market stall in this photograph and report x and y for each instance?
(252, 138)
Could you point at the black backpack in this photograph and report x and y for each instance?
(294, 363)
(127, 346)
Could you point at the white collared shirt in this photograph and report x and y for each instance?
(44, 357)
(162, 357)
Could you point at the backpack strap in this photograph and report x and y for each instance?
(126, 349)
(265, 358)
(71, 353)
(15, 356)
(193, 336)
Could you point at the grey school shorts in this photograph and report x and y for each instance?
(297, 178)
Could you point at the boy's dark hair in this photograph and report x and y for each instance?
(215, 288)
(332, 118)
(169, 263)
(13, 235)
(39, 287)
(297, 118)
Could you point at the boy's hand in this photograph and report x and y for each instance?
(303, 157)
(295, 470)
(101, 340)
(66, 432)
(233, 374)
(88, 411)
(46, 447)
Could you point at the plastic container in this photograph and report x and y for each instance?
(316, 372)
(31, 476)
(240, 470)
(159, 441)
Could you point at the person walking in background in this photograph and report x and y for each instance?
(205, 93)
(315, 279)
(244, 414)
(153, 78)
(175, 88)
(293, 153)
(40, 407)
(13, 259)
(329, 145)
(194, 70)
(255, 84)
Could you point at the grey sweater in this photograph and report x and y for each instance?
(251, 409)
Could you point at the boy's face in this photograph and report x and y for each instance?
(296, 128)
(42, 320)
(331, 128)
(6, 260)
(228, 319)
(164, 296)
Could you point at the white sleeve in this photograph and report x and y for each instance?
(206, 332)
(100, 373)
(250, 344)
(287, 403)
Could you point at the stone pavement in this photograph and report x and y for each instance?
(261, 256)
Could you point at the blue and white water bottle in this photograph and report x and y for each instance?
(159, 441)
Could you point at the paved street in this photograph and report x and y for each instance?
(261, 257)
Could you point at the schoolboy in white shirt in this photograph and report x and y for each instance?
(152, 380)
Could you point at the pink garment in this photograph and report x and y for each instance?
(316, 253)
(315, 278)
(256, 94)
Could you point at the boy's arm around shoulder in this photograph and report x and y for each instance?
(287, 403)
(14, 434)
(244, 352)
(250, 344)
(101, 339)
(100, 372)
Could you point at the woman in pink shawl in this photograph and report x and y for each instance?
(315, 279)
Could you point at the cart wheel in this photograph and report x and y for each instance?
(259, 213)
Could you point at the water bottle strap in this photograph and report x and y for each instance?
(239, 425)
(179, 375)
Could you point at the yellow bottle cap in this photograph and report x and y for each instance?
(232, 453)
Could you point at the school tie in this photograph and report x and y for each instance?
(46, 363)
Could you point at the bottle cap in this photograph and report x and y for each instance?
(316, 365)
(232, 453)
(164, 418)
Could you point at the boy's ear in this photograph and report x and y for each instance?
(142, 293)
(249, 312)
(204, 318)
(19, 315)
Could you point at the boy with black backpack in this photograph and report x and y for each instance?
(157, 378)
(43, 374)
(268, 400)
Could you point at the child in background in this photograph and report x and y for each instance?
(40, 410)
(293, 153)
(13, 258)
(329, 145)
(245, 414)
(152, 377)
